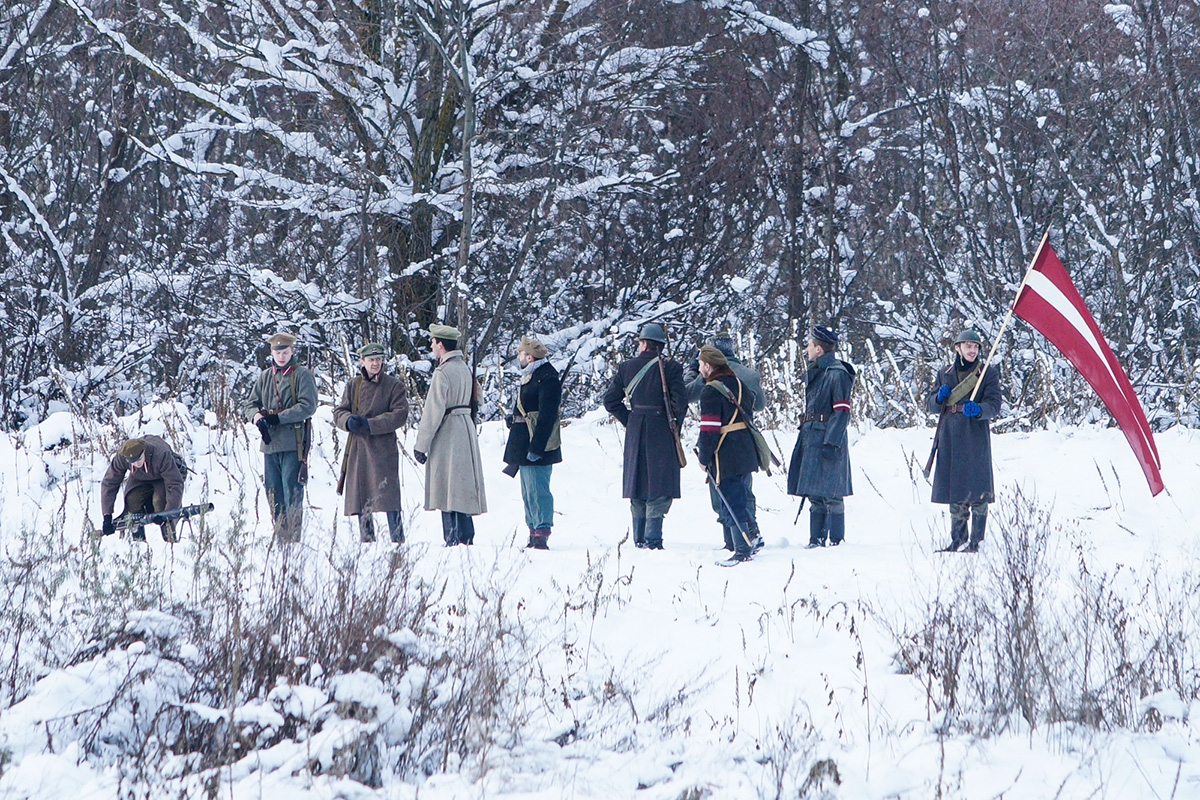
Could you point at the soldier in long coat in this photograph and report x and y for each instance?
(963, 475)
(651, 466)
(154, 483)
(374, 405)
(534, 446)
(281, 404)
(820, 466)
(447, 442)
(726, 447)
(756, 400)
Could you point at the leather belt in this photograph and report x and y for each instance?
(815, 418)
(641, 409)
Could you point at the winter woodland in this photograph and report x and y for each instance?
(180, 178)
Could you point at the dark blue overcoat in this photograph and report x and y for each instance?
(651, 468)
(818, 470)
(963, 473)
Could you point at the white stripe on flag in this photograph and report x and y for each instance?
(1046, 289)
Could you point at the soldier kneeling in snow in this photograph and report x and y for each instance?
(155, 483)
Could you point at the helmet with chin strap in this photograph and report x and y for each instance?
(969, 335)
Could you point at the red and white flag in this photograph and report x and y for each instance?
(1049, 301)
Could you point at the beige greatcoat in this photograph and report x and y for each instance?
(454, 471)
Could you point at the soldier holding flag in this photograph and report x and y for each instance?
(967, 396)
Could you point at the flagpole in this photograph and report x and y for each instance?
(1008, 316)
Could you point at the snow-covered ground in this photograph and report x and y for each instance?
(654, 674)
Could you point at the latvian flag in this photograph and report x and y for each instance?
(1049, 302)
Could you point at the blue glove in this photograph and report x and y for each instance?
(971, 409)
(532, 456)
(357, 423)
(943, 393)
(420, 457)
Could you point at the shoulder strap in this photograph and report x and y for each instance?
(963, 388)
(641, 373)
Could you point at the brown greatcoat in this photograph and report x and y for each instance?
(454, 472)
(373, 464)
(161, 471)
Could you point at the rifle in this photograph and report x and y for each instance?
(662, 374)
(936, 435)
(725, 502)
(341, 482)
(131, 521)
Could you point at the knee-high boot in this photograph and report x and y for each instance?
(816, 527)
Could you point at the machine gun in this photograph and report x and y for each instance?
(132, 521)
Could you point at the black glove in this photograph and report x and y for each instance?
(420, 457)
(532, 456)
(271, 419)
(695, 365)
(357, 423)
(107, 528)
(263, 430)
(943, 393)
(508, 420)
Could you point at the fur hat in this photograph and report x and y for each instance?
(711, 355)
(723, 341)
(131, 449)
(531, 346)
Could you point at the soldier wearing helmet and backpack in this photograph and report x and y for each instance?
(657, 403)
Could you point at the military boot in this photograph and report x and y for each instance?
(540, 539)
(396, 527)
(639, 531)
(837, 529)
(727, 531)
(366, 528)
(958, 535)
(449, 529)
(816, 528)
(529, 544)
(654, 533)
(978, 524)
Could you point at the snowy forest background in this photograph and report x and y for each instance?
(180, 177)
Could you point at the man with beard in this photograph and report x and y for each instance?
(968, 396)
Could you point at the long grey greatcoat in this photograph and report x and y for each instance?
(651, 468)
(373, 464)
(963, 473)
(161, 465)
(272, 392)
(817, 470)
(454, 471)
